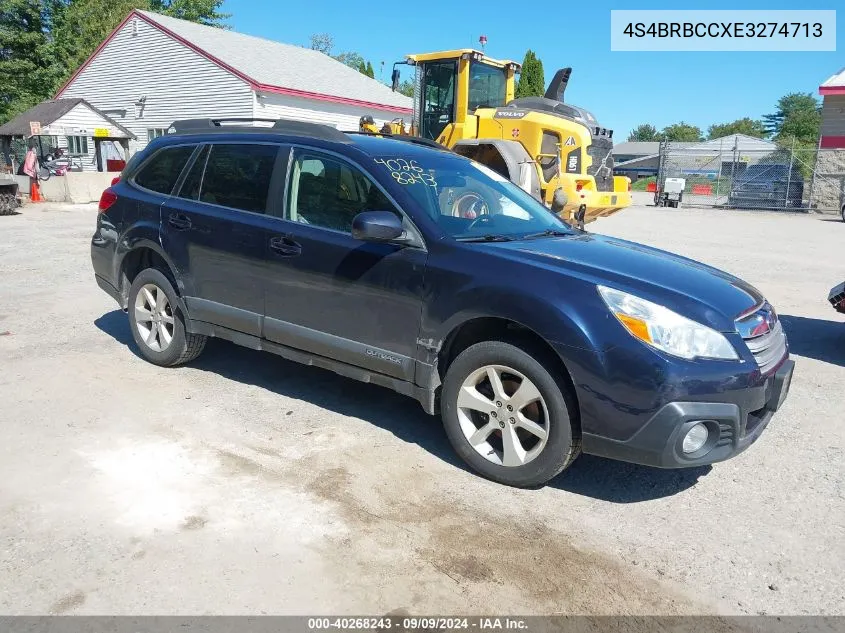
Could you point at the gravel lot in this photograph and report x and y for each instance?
(247, 484)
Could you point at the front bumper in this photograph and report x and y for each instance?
(732, 428)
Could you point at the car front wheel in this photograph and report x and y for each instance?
(508, 415)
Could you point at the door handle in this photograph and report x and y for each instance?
(179, 221)
(285, 246)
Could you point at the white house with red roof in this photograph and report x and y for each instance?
(155, 69)
(833, 112)
(828, 191)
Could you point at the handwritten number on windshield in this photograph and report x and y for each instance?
(407, 172)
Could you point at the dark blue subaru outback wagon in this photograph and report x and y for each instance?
(399, 263)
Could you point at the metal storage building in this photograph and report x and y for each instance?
(155, 69)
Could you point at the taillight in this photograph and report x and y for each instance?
(108, 198)
(115, 180)
(578, 186)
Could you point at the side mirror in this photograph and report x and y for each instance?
(377, 226)
(394, 80)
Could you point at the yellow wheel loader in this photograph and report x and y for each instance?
(556, 151)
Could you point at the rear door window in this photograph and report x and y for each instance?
(236, 176)
(161, 172)
(190, 188)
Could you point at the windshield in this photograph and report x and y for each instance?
(763, 171)
(487, 86)
(469, 200)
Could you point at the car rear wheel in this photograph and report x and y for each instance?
(157, 323)
(507, 415)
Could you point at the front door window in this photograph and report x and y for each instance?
(438, 98)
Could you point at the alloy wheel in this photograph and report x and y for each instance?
(154, 318)
(503, 415)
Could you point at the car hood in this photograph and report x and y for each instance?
(698, 291)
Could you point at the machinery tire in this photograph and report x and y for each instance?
(842, 213)
(183, 346)
(8, 204)
(563, 439)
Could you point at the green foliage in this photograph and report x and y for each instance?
(407, 88)
(350, 58)
(643, 183)
(322, 42)
(644, 132)
(746, 125)
(681, 132)
(201, 11)
(531, 83)
(798, 115)
(28, 67)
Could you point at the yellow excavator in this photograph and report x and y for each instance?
(556, 151)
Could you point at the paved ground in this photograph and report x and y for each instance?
(247, 484)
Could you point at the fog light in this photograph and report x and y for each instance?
(695, 438)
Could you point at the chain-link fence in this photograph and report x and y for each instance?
(754, 175)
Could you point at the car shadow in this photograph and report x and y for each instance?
(589, 476)
(620, 482)
(821, 339)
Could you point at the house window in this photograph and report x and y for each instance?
(155, 133)
(77, 145)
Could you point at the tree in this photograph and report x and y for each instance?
(201, 11)
(644, 132)
(322, 42)
(681, 132)
(356, 61)
(407, 88)
(531, 83)
(746, 125)
(29, 69)
(798, 116)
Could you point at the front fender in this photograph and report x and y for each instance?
(555, 320)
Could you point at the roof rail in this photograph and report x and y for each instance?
(283, 126)
(402, 137)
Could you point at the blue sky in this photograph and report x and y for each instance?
(622, 89)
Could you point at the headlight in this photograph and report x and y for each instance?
(666, 330)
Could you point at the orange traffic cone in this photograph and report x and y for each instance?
(34, 192)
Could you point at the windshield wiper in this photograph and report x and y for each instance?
(486, 238)
(547, 233)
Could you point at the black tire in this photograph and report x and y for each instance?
(184, 346)
(843, 213)
(8, 204)
(564, 439)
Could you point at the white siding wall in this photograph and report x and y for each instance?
(341, 116)
(85, 121)
(833, 115)
(177, 82)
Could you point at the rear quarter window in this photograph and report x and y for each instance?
(161, 172)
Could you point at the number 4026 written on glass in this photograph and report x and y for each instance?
(407, 172)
